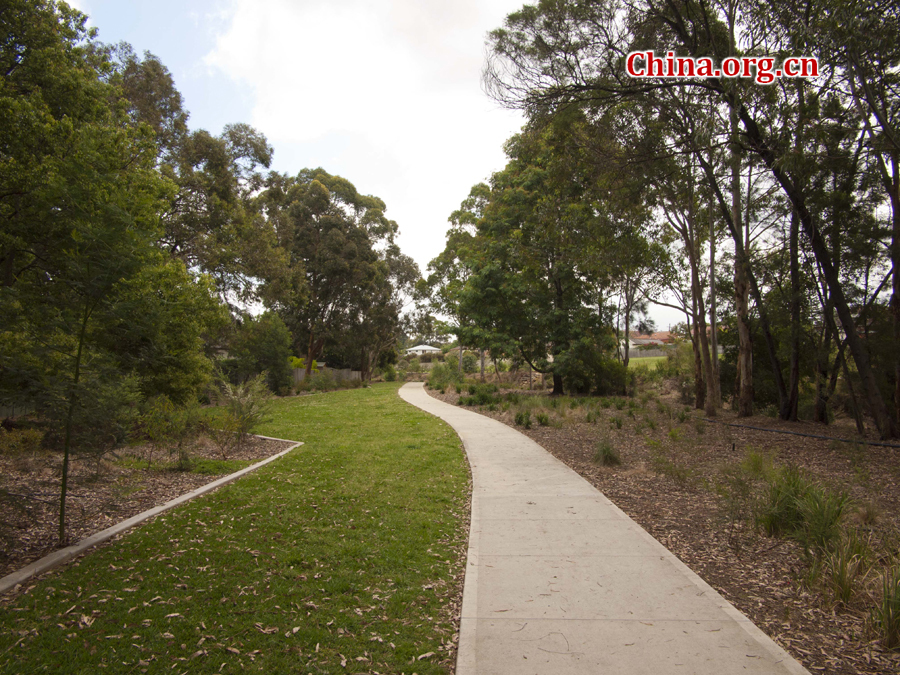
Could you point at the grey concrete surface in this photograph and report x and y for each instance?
(63, 555)
(560, 581)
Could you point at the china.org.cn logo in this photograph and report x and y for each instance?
(761, 69)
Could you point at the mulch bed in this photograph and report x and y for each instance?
(677, 502)
(100, 494)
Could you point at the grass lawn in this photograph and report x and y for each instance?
(648, 361)
(340, 557)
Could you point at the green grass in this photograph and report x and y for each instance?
(651, 362)
(339, 557)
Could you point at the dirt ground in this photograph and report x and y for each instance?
(99, 495)
(673, 480)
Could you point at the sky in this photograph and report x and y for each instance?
(385, 93)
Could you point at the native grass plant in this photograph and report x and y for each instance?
(523, 419)
(481, 394)
(886, 614)
(247, 405)
(667, 464)
(606, 455)
(847, 565)
(543, 419)
(615, 421)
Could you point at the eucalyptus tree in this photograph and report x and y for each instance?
(332, 235)
(557, 53)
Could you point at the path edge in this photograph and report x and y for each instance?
(64, 555)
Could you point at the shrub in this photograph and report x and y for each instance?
(523, 419)
(543, 419)
(425, 358)
(171, 428)
(442, 376)
(606, 454)
(263, 345)
(483, 394)
(470, 363)
(246, 404)
(616, 421)
(390, 375)
(592, 416)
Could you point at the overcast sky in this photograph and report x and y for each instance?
(386, 93)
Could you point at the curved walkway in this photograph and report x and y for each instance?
(559, 580)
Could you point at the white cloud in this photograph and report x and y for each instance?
(385, 92)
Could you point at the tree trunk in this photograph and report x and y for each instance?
(884, 419)
(794, 252)
(741, 258)
(715, 382)
(741, 286)
(557, 385)
(699, 384)
(67, 442)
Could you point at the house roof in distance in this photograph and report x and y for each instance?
(422, 348)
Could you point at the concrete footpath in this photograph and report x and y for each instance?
(560, 581)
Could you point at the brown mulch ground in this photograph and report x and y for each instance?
(671, 479)
(99, 494)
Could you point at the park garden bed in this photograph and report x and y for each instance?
(102, 491)
(700, 488)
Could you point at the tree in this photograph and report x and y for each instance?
(330, 232)
(558, 54)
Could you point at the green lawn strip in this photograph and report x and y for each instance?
(650, 361)
(339, 557)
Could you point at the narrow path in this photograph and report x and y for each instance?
(559, 580)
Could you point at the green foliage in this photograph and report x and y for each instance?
(170, 427)
(390, 374)
(481, 394)
(846, 566)
(543, 419)
(247, 405)
(886, 615)
(523, 419)
(795, 506)
(442, 375)
(263, 344)
(616, 421)
(19, 442)
(469, 363)
(606, 454)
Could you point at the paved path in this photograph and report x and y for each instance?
(560, 581)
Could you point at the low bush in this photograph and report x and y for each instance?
(523, 419)
(442, 376)
(246, 405)
(543, 419)
(606, 454)
(171, 428)
(794, 506)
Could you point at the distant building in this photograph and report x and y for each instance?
(423, 349)
(661, 338)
